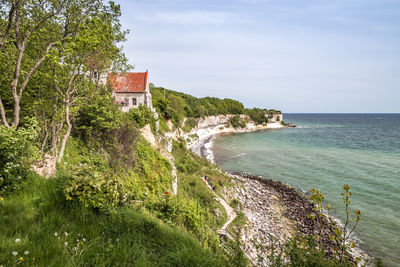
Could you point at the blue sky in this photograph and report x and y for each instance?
(292, 55)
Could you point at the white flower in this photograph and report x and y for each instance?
(58, 238)
(75, 248)
(77, 241)
(26, 252)
(83, 239)
(55, 234)
(14, 253)
(65, 244)
(66, 234)
(117, 239)
(17, 240)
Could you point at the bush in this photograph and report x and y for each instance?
(94, 189)
(236, 122)
(189, 124)
(98, 118)
(141, 116)
(181, 212)
(17, 151)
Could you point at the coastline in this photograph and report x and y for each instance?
(273, 209)
(203, 145)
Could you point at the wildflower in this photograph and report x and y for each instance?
(14, 253)
(83, 239)
(66, 234)
(117, 239)
(77, 241)
(58, 238)
(26, 252)
(55, 234)
(1, 198)
(75, 248)
(17, 240)
(65, 244)
(21, 258)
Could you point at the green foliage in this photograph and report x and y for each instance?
(341, 235)
(98, 118)
(190, 123)
(239, 258)
(17, 151)
(257, 115)
(177, 106)
(54, 232)
(179, 211)
(236, 122)
(152, 168)
(301, 251)
(94, 189)
(141, 116)
(185, 163)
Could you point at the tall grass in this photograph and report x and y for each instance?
(46, 230)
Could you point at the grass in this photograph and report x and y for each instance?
(191, 185)
(121, 236)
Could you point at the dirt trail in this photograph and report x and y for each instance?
(229, 210)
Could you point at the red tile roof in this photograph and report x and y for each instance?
(130, 82)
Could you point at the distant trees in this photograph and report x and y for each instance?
(176, 106)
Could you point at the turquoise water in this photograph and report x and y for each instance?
(325, 152)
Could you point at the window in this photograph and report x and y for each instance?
(134, 101)
(126, 102)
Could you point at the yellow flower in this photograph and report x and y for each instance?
(21, 259)
(1, 198)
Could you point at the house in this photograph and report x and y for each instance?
(130, 89)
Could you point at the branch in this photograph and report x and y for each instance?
(9, 25)
(3, 114)
(17, 31)
(40, 23)
(28, 76)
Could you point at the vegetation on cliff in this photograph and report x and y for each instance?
(177, 106)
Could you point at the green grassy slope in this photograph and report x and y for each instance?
(122, 236)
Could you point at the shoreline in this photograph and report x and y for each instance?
(207, 135)
(290, 205)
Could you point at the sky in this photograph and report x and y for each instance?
(291, 55)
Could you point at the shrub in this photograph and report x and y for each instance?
(190, 124)
(236, 122)
(184, 212)
(141, 116)
(17, 151)
(94, 189)
(98, 118)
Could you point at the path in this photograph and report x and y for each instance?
(229, 210)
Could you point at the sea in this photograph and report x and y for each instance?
(325, 152)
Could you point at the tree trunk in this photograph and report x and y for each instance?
(67, 133)
(3, 114)
(54, 140)
(14, 84)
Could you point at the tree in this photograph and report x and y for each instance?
(35, 28)
(81, 60)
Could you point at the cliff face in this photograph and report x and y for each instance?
(214, 125)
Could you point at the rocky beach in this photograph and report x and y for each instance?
(275, 212)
